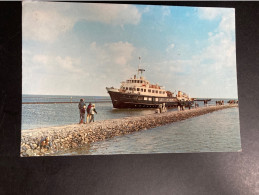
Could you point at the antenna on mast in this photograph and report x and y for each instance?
(140, 70)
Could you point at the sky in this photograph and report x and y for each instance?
(82, 48)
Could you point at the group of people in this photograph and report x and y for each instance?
(90, 111)
(161, 108)
(221, 102)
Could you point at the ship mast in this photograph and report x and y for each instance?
(139, 69)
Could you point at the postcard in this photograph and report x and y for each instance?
(107, 78)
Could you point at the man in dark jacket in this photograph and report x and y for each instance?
(81, 107)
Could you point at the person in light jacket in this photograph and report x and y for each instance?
(92, 111)
(88, 116)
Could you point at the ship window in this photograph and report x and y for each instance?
(130, 88)
(144, 90)
(149, 90)
(156, 91)
(163, 92)
(126, 88)
(137, 89)
(145, 98)
(123, 87)
(160, 92)
(141, 90)
(140, 81)
(153, 91)
(156, 99)
(150, 99)
(140, 98)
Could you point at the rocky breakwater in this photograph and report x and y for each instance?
(77, 135)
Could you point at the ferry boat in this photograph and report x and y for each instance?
(138, 92)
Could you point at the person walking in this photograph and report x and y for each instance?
(92, 111)
(82, 107)
(88, 116)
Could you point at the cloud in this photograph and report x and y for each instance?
(40, 59)
(103, 65)
(146, 9)
(111, 13)
(166, 11)
(46, 21)
(171, 46)
(49, 74)
(210, 13)
(114, 58)
(68, 64)
(203, 72)
(44, 24)
(221, 47)
(227, 23)
(225, 15)
(52, 64)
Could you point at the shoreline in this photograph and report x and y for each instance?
(76, 135)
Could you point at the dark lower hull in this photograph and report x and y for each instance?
(125, 100)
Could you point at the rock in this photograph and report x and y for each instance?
(37, 152)
(74, 145)
(34, 146)
(29, 152)
(23, 148)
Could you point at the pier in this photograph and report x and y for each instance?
(77, 135)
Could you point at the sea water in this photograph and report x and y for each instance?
(214, 132)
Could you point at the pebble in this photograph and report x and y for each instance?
(29, 152)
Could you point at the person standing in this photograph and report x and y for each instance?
(88, 116)
(81, 107)
(92, 111)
